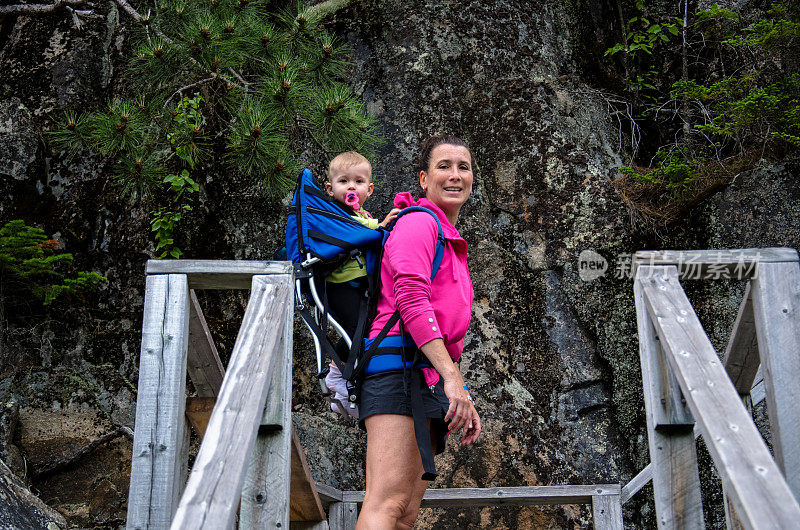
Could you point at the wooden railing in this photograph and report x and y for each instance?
(604, 499)
(244, 416)
(247, 448)
(689, 388)
(249, 457)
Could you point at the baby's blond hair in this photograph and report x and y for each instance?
(346, 160)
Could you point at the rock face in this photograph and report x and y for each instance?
(551, 359)
(17, 140)
(19, 508)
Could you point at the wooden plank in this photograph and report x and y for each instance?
(741, 358)
(637, 483)
(714, 264)
(673, 454)
(757, 395)
(328, 494)
(607, 512)
(760, 495)
(157, 459)
(198, 411)
(214, 488)
(732, 521)
(671, 413)
(278, 409)
(266, 492)
(511, 496)
(309, 525)
(776, 305)
(305, 503)
(203, 363)
(183, 460)
(343, 515)
(218, 274)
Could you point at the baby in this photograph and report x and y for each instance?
(350, 183)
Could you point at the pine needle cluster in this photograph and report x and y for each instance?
(30, 262)
(270, 85)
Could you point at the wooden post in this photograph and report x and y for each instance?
(776, 305)
(741, 355)
(266, 492)
(342, 515)
(305, 504)
(607, 512)
(214, 488)
(756, 488)
(158, 460)
(673, 455)
(203, 364)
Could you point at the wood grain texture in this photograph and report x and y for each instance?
(511, 496)
(607, 512)
(305, 503)
(309, 525)
(203, 363)
(198, 411)
(673, 455)
(732, 521)
(756, 487)
(776, 304)
(636, 483)
(158, 466)
(714, 264)
(328, 494)
(741, 358)
(343, 516)
(757, 395)
(214, 488)
(266, 492)
(218, 274)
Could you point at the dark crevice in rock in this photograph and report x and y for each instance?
(580, 385)
(6, 27)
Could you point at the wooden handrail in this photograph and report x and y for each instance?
(214, 487)
(511, 496)
(740, 360)
(218, 274)
(713, 264)
(753, 481)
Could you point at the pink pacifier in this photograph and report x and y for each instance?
(351, 199)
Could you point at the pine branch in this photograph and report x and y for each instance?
(38, 9)
(138, 18)
(187, 87)
(135, 14)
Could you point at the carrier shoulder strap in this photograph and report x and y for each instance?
(355, 373)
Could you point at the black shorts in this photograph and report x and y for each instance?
(387, 393)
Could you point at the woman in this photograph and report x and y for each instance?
(435, 313)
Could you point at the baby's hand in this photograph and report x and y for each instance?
(391, 216)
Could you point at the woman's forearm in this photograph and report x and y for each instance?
(437, 354)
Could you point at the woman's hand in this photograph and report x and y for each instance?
(462, 413)
(391, 216)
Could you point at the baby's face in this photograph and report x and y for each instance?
(354, 179)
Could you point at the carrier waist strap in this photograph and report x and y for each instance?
(389, 354)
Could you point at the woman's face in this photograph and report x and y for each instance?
(448, 180)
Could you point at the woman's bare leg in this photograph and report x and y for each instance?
(394, 468)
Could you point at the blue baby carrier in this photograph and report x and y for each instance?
(321, 234)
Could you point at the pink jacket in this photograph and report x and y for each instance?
(441, 310)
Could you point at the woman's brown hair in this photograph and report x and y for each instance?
(435, 141)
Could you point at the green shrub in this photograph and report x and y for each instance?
(30, 262)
